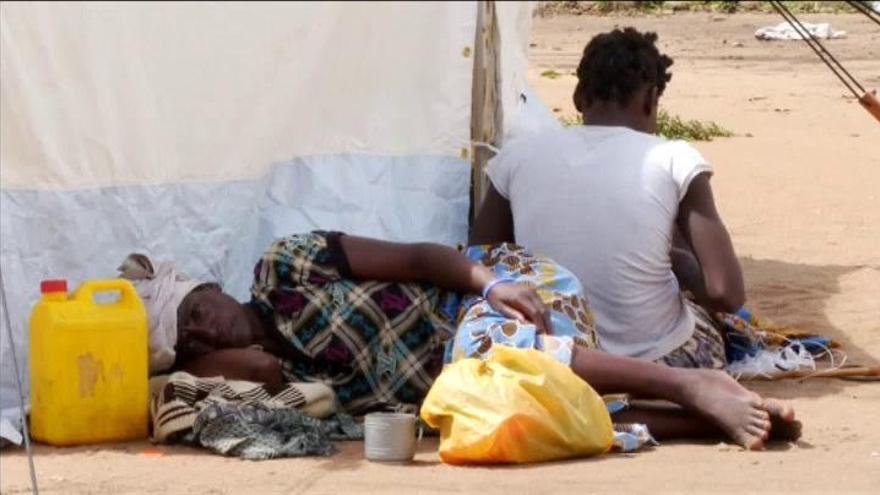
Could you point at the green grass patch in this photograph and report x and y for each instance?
(568, 120)
(818, 7)
(551, 74)
(638, 8)
(673, 127)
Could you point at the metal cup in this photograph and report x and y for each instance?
(390, 437)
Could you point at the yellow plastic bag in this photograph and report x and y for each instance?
(519, 405)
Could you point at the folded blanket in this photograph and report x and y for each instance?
(242, 418)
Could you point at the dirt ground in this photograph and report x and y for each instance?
(798, 188)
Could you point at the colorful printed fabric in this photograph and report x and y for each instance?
(380, 344)
(630, 437)
(705, 349)
(480, 327)
(742, 335)
(377, 344)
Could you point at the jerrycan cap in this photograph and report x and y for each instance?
(50, 286)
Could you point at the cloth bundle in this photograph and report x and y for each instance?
(786, 32)
(256, 432)
(243, 419)
(161, 289)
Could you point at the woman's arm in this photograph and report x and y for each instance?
(372, 259)
(252, 365)
(686, 267)
(705, 232)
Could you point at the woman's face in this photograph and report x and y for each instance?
(209, 320)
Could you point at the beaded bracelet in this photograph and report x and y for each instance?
(491, 285)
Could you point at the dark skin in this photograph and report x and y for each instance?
(216, 335)
(220, 336)
(704, 262)
(702, 254)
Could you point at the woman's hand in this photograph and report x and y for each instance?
(521, 302)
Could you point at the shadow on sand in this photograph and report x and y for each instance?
(798, 295)
(787, 293)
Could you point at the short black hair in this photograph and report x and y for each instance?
(616, 64)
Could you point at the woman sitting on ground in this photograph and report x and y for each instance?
(377, 320)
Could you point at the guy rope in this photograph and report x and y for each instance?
(868, 100)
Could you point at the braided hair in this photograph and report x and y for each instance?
(616, 64)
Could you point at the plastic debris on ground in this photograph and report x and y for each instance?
(10, 427)
(786, 32)
(750, 355)
(796, 355)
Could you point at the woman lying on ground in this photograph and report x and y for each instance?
(377, 320)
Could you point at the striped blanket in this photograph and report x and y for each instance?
(243, 419)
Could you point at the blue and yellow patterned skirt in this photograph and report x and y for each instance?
(480, 327)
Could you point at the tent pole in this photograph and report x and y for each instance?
(484, 100)
(21, 408)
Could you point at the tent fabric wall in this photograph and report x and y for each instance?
(198, 132)
(501, 73)
(185, 92)
(514, 25)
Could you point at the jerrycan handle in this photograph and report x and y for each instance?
(88, 289)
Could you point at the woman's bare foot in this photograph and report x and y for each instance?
(712, 395)
(740, 413)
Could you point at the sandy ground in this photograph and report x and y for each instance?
(798, 187)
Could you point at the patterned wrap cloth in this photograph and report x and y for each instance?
(382, 344)
(706, 347)
(480, 327)
(379, 344)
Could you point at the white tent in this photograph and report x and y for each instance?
(199, 132)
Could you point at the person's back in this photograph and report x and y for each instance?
(630, 213)
(615, 193)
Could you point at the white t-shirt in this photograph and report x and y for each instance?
(602, 201)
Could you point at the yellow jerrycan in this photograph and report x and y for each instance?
(89, 364)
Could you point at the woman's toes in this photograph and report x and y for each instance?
(760, 414)
(764, 424)
(753, 443)
(758, 431)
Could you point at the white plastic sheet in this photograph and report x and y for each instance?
(99, 94)
(199, 131)
(522, 110)
(787, 32)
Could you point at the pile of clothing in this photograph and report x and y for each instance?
(242, 419)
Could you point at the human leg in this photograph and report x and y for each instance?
(669, 423)
(676, 423)
(712, 395)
